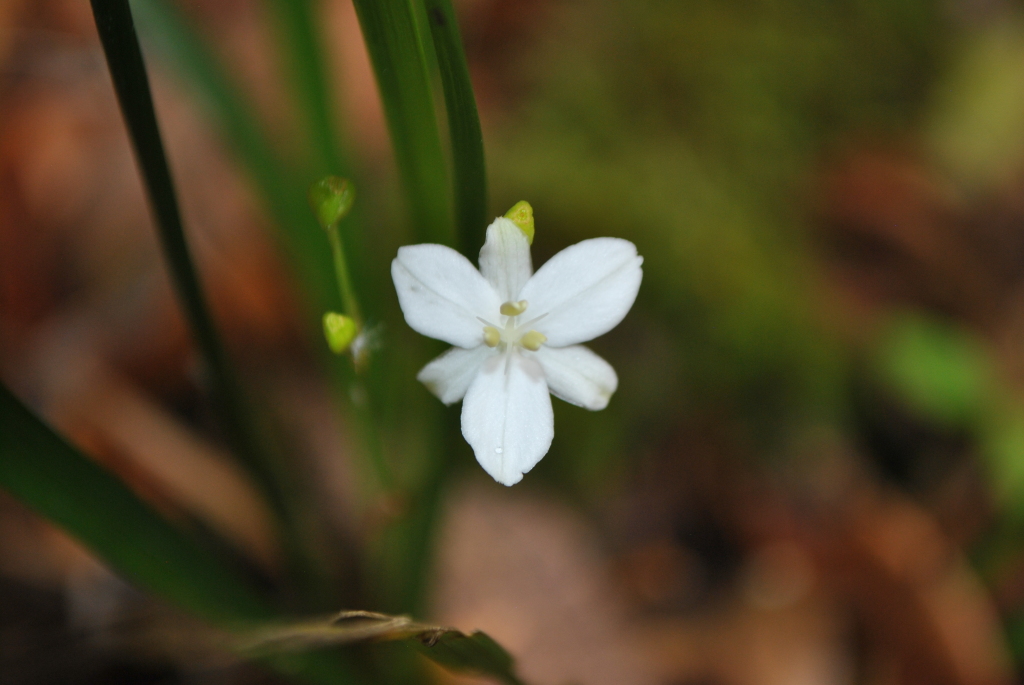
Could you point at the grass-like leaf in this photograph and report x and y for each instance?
(124, 58)
(296, 25)
(470, 175)
(1014, 626)
(50, 476)
(396, 52)
(279, 186)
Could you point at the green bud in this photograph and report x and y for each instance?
(340, 331)
(331, 199)
(521, 215)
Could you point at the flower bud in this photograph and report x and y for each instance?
(331, 199)
(340, 331)
(521, 215)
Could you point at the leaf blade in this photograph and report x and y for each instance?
(396, 53)
(468, 167)
(296, 27)
(174, 40)
(50, 476)
(116, 28)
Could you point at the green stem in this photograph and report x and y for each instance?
(358, 398)
(345, 289)
(407, 545)
(396, 42)
(360, 402)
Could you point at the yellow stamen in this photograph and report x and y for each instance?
(533, 340)
(492, 336)
(513, 308)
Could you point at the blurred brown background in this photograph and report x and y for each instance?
(814, 469)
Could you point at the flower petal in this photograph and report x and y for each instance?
(578, 376)
(507, 417)
(449, 375)
(585, 290)
(505, 258)
(442, 294)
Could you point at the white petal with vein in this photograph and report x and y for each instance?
(507, 417)
(442, 294)
(585, 290)
(449, 375)
(505, 259)
(578, 376)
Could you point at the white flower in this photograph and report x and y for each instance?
(516, 335)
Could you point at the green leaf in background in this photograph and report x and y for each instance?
(475, 653)
(58, 482)
(1015, 635)
(277, 484)
(396, 52)
(1002, 443)
(296, 25)
(977, 130)
(124, 59)
(175, 40)
(939, 370)
(395, 42)
(464, 126)
(50, 476)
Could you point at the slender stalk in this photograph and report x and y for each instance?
(470, 174)
(396, 43)
(371, 436)
(425, 514)
(345, 289)
(358, 397)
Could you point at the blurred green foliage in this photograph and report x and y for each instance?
(976, 129)
(942, 372)
(693, 130)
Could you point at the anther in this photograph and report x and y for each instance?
(492, 336)
(513, 308)
(533, 340)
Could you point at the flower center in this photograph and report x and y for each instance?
(511, 335)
